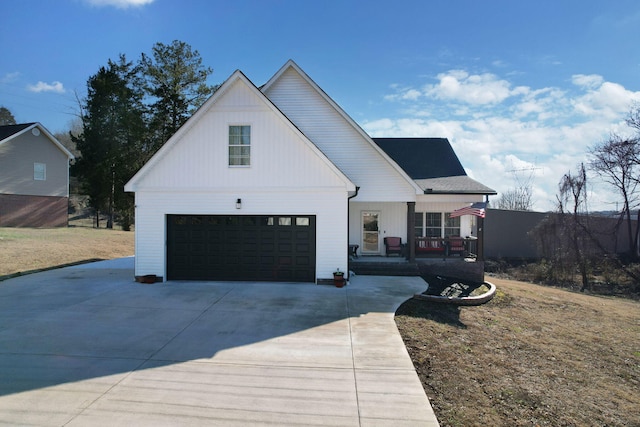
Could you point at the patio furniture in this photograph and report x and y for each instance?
(429, 245)
(393, 245)
(456, 245)
(353, 250)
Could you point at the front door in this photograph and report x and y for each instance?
(370, 233)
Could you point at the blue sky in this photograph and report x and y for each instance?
(524, 86)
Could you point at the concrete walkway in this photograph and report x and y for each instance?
(86, 345)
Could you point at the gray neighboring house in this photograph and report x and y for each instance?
(34, 177)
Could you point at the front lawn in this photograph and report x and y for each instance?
(533, 356)
(25, 249)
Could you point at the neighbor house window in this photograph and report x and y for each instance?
(239, 145)
(39, 171)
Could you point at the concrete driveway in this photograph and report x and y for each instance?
(86, 345)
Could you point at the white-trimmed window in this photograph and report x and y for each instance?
(436, 224)
(239, 145)
(451, 226)
(39, 171)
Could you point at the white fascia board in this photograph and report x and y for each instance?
(291, 64)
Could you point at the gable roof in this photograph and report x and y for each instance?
(290, 64)
(197, 116)
(423, 158)
(433, 164)
(9, 132)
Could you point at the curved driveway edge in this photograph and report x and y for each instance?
(86, 345)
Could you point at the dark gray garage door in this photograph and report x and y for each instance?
(241, 247)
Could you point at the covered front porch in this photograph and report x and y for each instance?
(418, 229)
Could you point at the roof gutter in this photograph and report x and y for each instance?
(484, 193)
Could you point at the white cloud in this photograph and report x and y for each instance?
(120, 4)
(496, 127)
(10, 77)
(56, 87)
(587, 81)
(477, 89)
(604, 99)
(403, 94)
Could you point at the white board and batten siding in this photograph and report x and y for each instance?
(343, 143)
(329, 207)
(392, 220)
(287, 176)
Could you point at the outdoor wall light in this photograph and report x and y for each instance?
(238, 203)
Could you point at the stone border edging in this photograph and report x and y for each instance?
(475, 300)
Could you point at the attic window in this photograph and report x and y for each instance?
(39, 171)
(239, 145)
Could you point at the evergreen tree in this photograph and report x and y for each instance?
(176, 83)
(129, 112)
(112, 140)
(6, 117)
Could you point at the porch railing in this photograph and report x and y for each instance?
(446, 246)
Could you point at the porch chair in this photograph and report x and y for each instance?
(456, 246)
(393, 245)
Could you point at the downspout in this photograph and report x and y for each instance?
(349, 226)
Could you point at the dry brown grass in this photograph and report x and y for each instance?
(533, 356)
(25, 249)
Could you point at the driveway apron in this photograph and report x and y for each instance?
(86, 345)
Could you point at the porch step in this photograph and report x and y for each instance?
(373, 268)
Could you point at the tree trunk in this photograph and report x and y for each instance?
(630, 232)
(636, 252)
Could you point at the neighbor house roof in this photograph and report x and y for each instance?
(432, 164)
(9, 132)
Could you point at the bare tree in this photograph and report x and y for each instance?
(572, 206)
(519, 198)
(616, 161)
(633, 119)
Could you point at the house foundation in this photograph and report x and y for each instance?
(463, 269)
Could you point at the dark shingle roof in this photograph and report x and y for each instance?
(423, 158)
(432, 164)
(461, 184)
(8, 130)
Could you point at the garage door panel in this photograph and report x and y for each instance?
(218, 247)
(303, 261)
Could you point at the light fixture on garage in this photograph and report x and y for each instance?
(238, 203)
